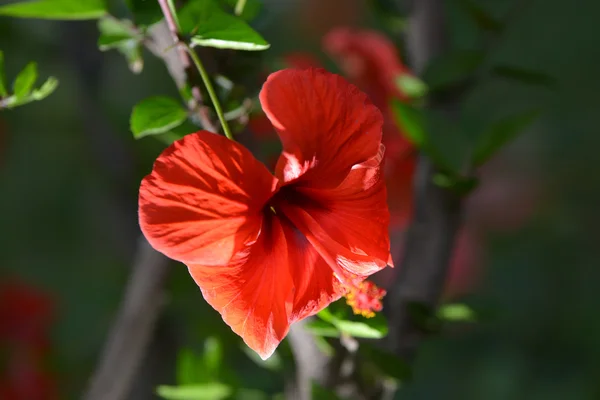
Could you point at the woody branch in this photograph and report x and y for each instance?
(133, 328)
(165, 44)
(436, 219)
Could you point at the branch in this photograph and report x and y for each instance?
(311, 363)
(337, 372)
(430, 239)
(163, 45)
(133, 327)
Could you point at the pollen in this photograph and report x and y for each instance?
(365, 299)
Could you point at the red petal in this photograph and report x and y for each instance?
(202, 201)
(315, 285)
(279, 280)
(347, 225)
(325, 124)
(254, 292)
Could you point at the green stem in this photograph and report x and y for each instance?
(211, 90)
(239, 7)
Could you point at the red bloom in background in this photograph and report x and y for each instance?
(465, 265)
(269, 250)
(370, 60)
(24, 378)
(301, 60)
(25, 317)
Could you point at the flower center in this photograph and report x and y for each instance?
(365, 298)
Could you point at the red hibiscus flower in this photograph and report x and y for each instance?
(26, 314)
(269, 250)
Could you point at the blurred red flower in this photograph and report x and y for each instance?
(269, 250)
(301, 60)
(25, 315)
(465, 265)
(25, 378)
(370, 60)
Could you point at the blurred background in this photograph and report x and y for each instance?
(70, 171)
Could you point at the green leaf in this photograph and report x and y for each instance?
(321, 328)
(192, 369)
(212, 357)
(368, 328)
(356, 326)
(156, 115)
(37, 94)
(500, 133)
(45, 90)
(3, 91)
(168, 137)
(122, 36)
(210, 26)
(114, 32)
(326, 315)
(177, 132)
(132, 51)
(411, 86)
(481, 17)
(186, 367)
(25, 80)
(251, 9)
(206, 391)
(412, 122)
(145, 12)
(456, 313)
(452, 68)
(56, 9)
(523, 75)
